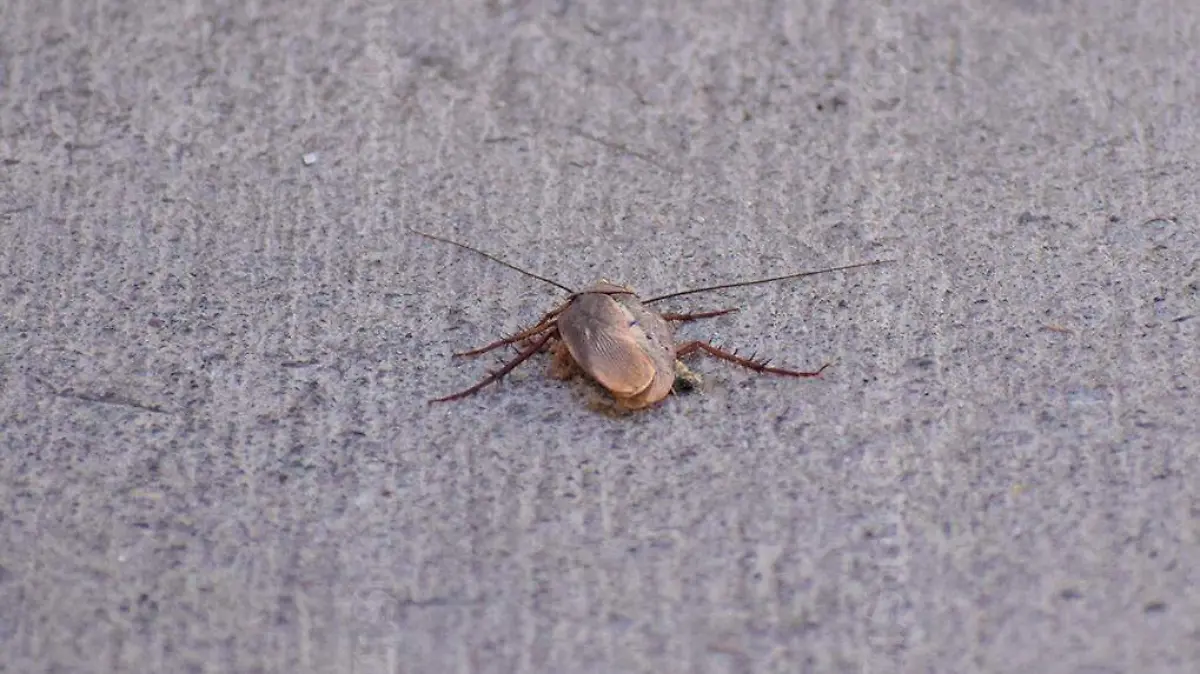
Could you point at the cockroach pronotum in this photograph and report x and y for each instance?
(611, 335)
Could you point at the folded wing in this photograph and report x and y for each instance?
(603, 338)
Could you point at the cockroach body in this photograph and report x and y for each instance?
(619, 342)
(607, 332)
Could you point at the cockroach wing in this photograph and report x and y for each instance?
(597, 332)
(654, 337)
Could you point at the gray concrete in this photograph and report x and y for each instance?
(216, 452)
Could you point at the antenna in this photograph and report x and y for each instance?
(493, 258)
(786, 277)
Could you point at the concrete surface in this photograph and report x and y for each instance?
(216, 452)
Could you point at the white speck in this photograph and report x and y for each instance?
(310, 158)
(365, 499)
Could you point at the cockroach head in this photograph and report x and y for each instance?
(607, 287)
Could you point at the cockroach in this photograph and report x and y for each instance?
(610, 334)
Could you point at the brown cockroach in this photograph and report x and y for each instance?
(610, 334)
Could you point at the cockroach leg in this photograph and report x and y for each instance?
(757, 366)
(498, 374)
(522, 336)
(683, 318)
(563, 366)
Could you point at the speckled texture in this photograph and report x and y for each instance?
(217, 337)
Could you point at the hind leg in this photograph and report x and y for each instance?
(684, 318)
(756, 365)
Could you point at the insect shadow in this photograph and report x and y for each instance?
(610, 334)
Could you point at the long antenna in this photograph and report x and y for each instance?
(493, 258)
(787, 277)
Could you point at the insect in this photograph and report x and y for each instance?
(610, 334)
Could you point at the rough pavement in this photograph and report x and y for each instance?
(218, 338)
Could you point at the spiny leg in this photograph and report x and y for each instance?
(683, 318)
(508, 367)
(546, 322)
(757, 366)
(512, 339)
